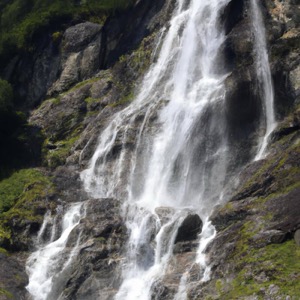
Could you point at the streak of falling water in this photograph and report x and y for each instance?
(46, 264)
(181, 155)
(180, 160)
(264, 77)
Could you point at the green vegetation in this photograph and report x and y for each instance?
(20, 197)
(81, 84)
(259, 266)
(6, 98)
(58, 156)
(3, 251)
(20, 186)
(279, 263)
(281, 168)
(23, 21)
(124, 100)
(6, 293)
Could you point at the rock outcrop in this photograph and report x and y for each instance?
(95, 274)
(13, 278)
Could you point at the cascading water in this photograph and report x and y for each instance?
(166, 152)
(46, 266)
(181, 155)
(264, 77)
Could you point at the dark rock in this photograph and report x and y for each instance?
(80, 35)
(267, 237)
(243, 109)
(233, 13)
(33, 75)
(145, 17)
(289, 125)
(285, 210)
(222, 217)
(13, 278)
(189, 228)
(96, 271)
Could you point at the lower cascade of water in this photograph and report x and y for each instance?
(180, 165)
(46, 267)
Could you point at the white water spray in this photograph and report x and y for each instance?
(180, 156)
(264, 77)
(179, 162)
(44, 265)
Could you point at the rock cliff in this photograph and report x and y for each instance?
(73, 85)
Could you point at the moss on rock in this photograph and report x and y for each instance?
(23, 198)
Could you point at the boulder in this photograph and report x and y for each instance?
(80, 35)
(80, 55)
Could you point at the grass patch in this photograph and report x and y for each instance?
(6, 293)
(58, 156)
(23, 21)
(20, 197)
(24, 182)
(125, 100)
(81, 84)
(279, 262)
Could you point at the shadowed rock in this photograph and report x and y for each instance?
(189, 229)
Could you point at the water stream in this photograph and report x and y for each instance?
(45, 265)
(166, 152)
(181, 155)
(265, 85)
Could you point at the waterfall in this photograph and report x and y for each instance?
(264, 77)
(180, 159)
(167, 151)
(46, 266)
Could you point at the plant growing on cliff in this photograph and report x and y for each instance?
(22, 201)
(24, 21)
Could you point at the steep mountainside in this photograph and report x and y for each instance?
(71, 79)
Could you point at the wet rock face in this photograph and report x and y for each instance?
(258, 231)
(243, 101)
(96, 271)
(85, 49)
(33, 75)
(13, 278)
(190, 227)
(283, 37)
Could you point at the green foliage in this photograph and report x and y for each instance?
(23, 184)
(124, 100)
(58, 156)
(56, 36)
(81, 84)
(3, 251)
(22, 195)
(24, 20)
(6, 294)
(279, 262)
